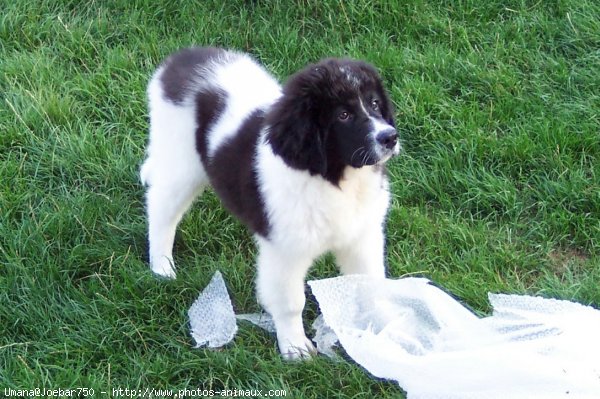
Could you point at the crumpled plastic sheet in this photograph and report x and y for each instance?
(212, 319)
(412, 332)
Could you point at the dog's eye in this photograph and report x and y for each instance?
(344, 116)
(375, 105)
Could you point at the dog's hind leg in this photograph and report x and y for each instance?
(173, 174)
(166, 202)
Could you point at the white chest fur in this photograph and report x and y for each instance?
(309, 214)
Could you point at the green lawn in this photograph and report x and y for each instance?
(498, 104)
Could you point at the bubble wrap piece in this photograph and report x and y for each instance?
(211, 316)
(325, 338)
(409, 331)
(262, 320)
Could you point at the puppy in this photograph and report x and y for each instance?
(302, 166)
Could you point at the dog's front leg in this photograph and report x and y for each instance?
(280, 290)
(363, 256)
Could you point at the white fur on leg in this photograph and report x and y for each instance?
(280, 289)
(166, 205)
(163, 266)
(173, 173)
(293, 344)
(364, 256)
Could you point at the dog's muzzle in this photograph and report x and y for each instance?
(387, 138)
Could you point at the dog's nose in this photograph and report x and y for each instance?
(387, 138)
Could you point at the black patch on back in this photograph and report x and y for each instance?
(234, 178)
(210, 105)
(181, 70)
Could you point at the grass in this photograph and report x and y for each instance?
(498, 104)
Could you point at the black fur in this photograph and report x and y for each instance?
(179, 72)
(303, 125)
(210, 104)
(233, 176)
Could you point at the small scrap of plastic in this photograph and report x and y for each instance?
(211, 316)
(262, 320)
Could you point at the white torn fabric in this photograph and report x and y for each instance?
(410, 331)
(211, 316)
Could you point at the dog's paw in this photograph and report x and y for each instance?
(163, 267)
(298, 349)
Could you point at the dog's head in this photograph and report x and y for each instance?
(332, 115)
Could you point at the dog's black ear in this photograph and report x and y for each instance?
(295, 128)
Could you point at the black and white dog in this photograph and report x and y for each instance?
(301, 166)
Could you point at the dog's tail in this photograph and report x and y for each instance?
(146, 173)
